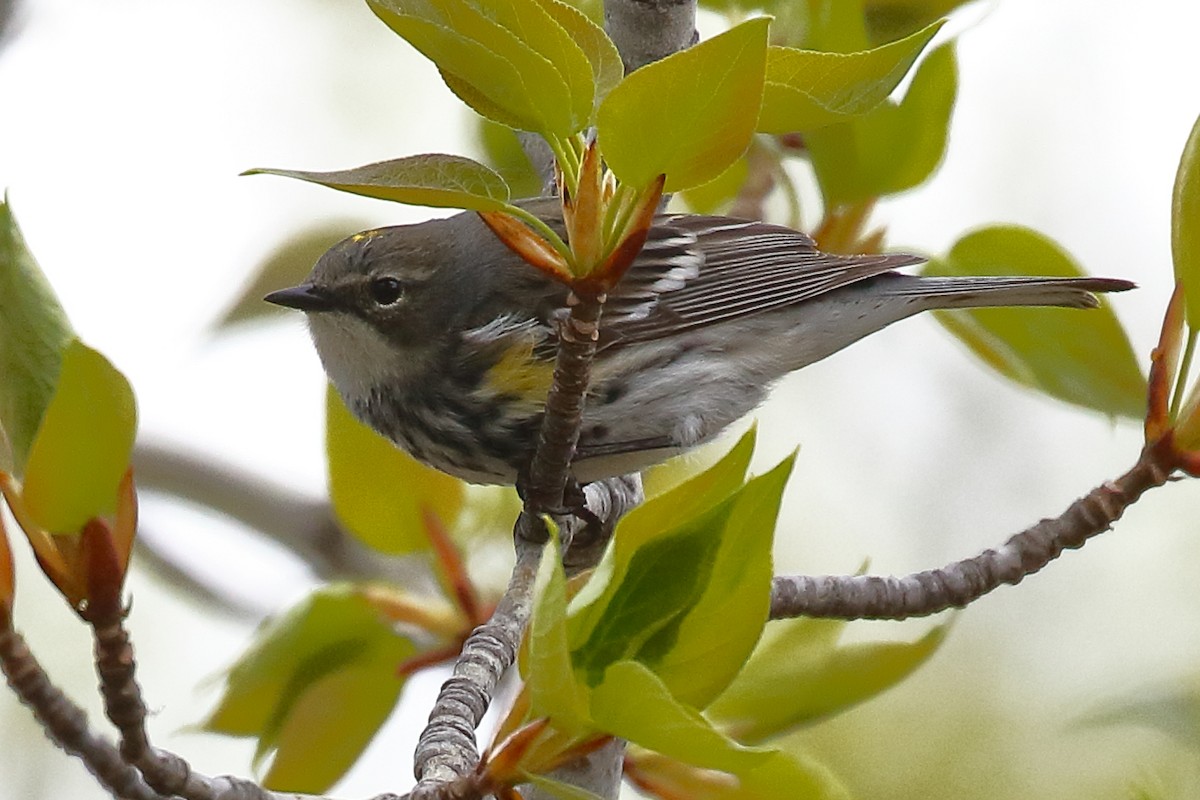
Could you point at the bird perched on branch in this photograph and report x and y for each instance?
(443, 340)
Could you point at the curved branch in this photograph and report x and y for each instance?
(166, 772)
(65, 723)
(956, 585)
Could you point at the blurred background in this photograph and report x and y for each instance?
(124, 126)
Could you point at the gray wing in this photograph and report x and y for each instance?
(697, 271)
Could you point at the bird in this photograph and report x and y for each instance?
(442, 340)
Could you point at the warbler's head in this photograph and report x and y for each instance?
(378, 305)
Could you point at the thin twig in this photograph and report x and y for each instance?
(958, 584)
(166, 772)
(65, 723)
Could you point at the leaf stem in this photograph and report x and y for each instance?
(544, 229)
(616, 219)
(1185, 366)
(569, 155)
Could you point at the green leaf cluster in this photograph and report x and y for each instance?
(334, 652)
(669, 625)
(545, 67)
(67, 415)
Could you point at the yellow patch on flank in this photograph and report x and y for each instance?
(519, 374)
(364, 235)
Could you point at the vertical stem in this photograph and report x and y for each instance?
(548, 473)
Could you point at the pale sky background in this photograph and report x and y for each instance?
(124, 125)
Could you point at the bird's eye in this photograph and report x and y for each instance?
(386, 291)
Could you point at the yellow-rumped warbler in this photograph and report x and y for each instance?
(440, 338)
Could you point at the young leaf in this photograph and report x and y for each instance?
(315, 686)
(503, 153)
(712, 197)
(888, 20)
(689, 115)
(601, 53)
(314, 748)
(507, 59)
(784, 776)
(807, 89)
(1185, 226)
(720, 479)
(654, 521)
(701, 653)
(560, 789)
(632, 703)
(797, 676)
(554, 690)
(379, 492)
(688, 600)
(894, 147)
(440, 181)
(1082, 358)
(82, 448)
(34, 331)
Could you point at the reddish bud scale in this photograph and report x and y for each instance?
(533, 249)
(1164, 363)
(104, 571)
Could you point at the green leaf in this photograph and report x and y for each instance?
(807, 89)
(689, 598)
(832, 26)
(553, 688)
(380, 493)
(508, 59)
(717, 194)
(34, 331)
(440, 181)
(649, 523)
(503, 152)
(632, 703)
(601, 53)
(82, 448)
(784, 776)
(315, 686)
(287, 265)
(711, 642)
(721, 478)
(690, 115)
(561, 789)
(888, 20)
(1083, 358)
(798, 675)
(894, 147)
(1185, 226)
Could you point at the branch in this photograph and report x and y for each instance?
(549, 471)
(65, 723)
(296, 521)
(165, 772)
(647, 30)
(956, 585)
(446, 751)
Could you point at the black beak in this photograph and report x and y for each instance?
(305, 297)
